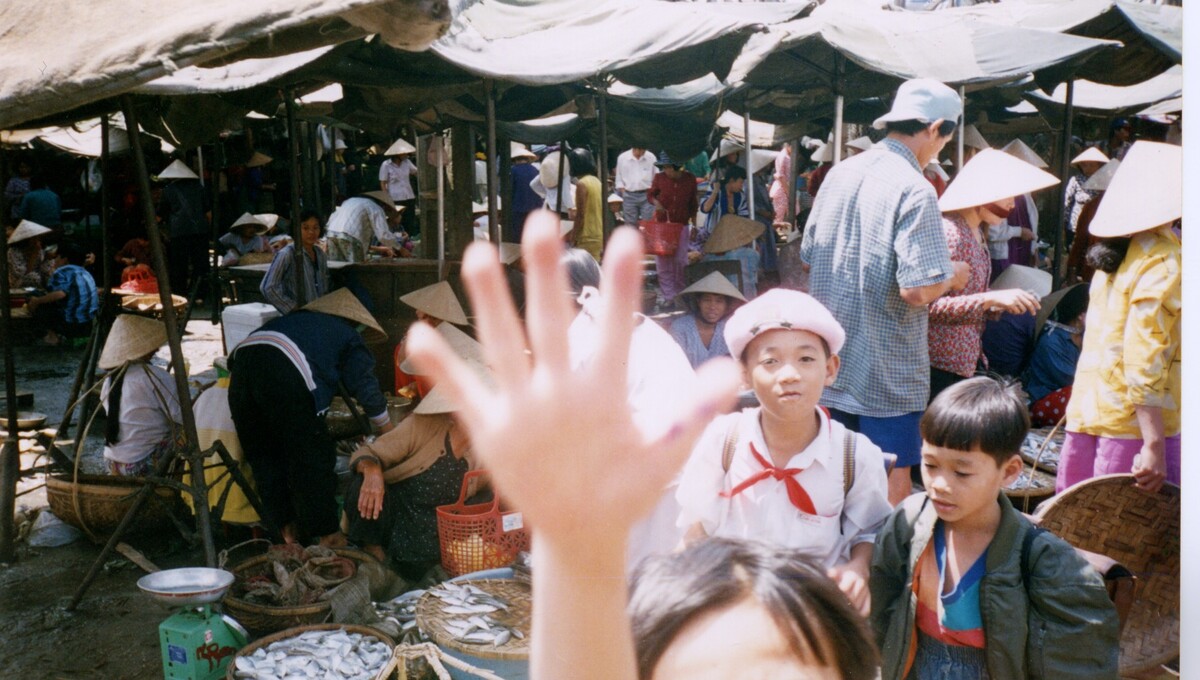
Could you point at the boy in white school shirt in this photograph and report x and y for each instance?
(784, 472)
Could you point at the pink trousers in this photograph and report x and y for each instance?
(670, 268)
(1085, 456)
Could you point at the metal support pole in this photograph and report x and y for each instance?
(106, 240)
(609, 222)
(562, 165)
(958, 163)
(440, 141)
(493, 181)
(10, 455)
(332, 169)
(746, 153)
(1060, 225)
(793, 173)
(839, 105)
(203, 524)
(294, 215)
(214, 281)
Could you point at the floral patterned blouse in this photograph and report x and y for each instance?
(956, 319)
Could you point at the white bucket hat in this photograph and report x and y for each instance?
(1019, 276)
(973, 139)
(400, 146)
(992, 176)
(922, 99)
(1145, 192)
(177, 170)
(615, 198)
(27, 230)
(1021, 150)
(1090, 155)
(1100, 179)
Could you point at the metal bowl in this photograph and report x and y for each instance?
(26, 420)
(186, 587)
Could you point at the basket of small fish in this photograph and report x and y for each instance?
(1042, 447)
(288, 586)
(1031, 487)
(484, 623)
(323, 651)
(478, 536)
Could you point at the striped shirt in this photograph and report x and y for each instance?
(279, 285)
(82, 302)
(875, 228)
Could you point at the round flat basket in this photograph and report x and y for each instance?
(230, 673)
(1032, 484)
(261, 619)
(1035, 448)
(1108, 515)
(97, 503)
(431, 617)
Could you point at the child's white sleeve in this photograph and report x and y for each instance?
(867, 504)
(703, 479)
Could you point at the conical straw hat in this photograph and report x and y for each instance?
(1021, 150)
(383, 198)
(714, 282)
(973, 139)
(1049, 302)
(437, 301)
(548, 172)
(733, 231)
(177, 170)
(27, 230)
(342, 303)
(761, 158)
(438, 401)
(861, 143)
(992, 176)
(252, 220)
(519, 150)
(1090, 155)
(1100, 179)
(399, 147)
(269, 219)
(467, 348)
(726, 147)
(1146, 191)
(259, 159)
(1021, 277)
(509, 252)
(823, 154)
(132, 337)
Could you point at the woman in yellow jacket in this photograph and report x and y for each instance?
(1124, 411)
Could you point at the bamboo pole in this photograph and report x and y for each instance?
(1060, 225)
(294, 213)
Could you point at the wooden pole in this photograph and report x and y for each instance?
(839, 105)
(493, 182)
(10, 452)
(214, 286)
(958, 162)
(746, 161)
(105, 175)
(609, 222)
(1060, 225)
(562, 166)
(294, 213)
(441, 204)
(793, 174)
(203, 523)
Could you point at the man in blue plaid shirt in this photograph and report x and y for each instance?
(68, 309)
(877, 257)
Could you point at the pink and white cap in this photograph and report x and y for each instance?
(782, 309)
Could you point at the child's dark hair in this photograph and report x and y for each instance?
(734, 172)
(1072, 305)
(984, 412)
(73, 252)
(670, 591)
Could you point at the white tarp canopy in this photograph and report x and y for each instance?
(239, 75)
(1106, 100)
(62, 54)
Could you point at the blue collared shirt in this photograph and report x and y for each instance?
(876, 228)
(82, 302)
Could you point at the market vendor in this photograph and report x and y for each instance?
(1051, 370)
(400, 480)
(283, 376)
(71, 304)
(362, 221)
(245, 236)
(433, 305)
(279, 285)
(144, 421)
(700, 332)
(733, 239)
(28, 266)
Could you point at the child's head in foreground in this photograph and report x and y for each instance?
(787, 343)
(971, 441)
(726, 608)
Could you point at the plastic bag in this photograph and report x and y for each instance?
(51, 532)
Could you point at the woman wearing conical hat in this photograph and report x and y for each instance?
(396, 175)
(700, 332)
(433, 304)
(245, 236)
(1086, 164)
(144, 419)
(27, 263)
(981, 195)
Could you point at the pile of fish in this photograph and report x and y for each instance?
(292, 576)
(473, 606)
(1047, 458)
(328, 654)
(402, 611)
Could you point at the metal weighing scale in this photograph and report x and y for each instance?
(197, 643)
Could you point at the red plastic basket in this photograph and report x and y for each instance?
(480, 536)
(662, 238)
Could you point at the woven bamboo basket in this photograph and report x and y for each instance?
(1108, 515)
(298, 630)
(97, 503)
(259, 619)
(430, 618)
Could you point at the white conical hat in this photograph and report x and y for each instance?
(383, 198)
(27, 230)
(714, 282)
(400, 146)
(761, 158)
(1092, 155)
(548, 172)
(1100, 179)
(861, 143)
(1019, 276)
(269, 219)
(992, 176)
(260, 227)
(823, 154)
(464, 346)
(258, 160)
(519, 150)
(726, 147)
(973, 138)
(438, 301)
(177, 170)
(509, 252)
(343, 303)
(1021, 150)
(1146, 191)
(132, 337)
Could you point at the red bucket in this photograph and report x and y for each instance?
(662, 238)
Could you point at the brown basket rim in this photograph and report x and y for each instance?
(251, 647)
(442, 639)
(286, 610)
(1032, 492)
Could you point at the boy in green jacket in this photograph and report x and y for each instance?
(963, 585)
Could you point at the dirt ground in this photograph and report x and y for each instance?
(113, 634)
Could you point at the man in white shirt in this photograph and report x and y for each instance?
(635, 172)
(356, 221)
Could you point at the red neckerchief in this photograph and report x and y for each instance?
(796, 493)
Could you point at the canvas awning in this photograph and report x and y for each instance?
(1109, 100)
(109, 47)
